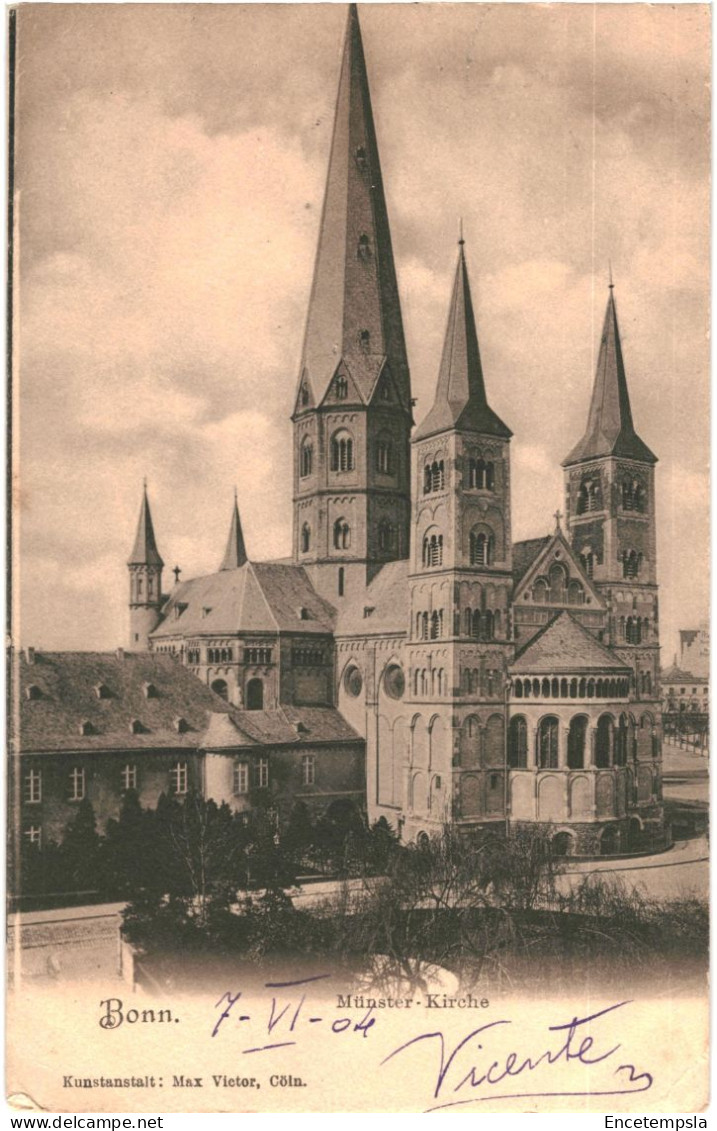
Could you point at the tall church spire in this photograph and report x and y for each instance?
(610, 431)
(144, 551)
(235, 553)
(354, 318)
(460, 395)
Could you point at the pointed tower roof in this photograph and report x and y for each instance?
(235, 553)
(460, 394)
(144, 551)
(354, 315)
(610, 431)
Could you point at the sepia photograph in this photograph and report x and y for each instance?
(359, 647)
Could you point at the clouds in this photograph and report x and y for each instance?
(171, 161)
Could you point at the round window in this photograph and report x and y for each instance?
(353, 682)
(395, 682)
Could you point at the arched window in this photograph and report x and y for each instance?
(433, 477)
(384, 455)
(604, 742)
(219, 687)
(562, 844)
(557, 578)
(364, 247)
(341, 581)
(540, 591)
(590, 494)
(576, 742)
(480, 475)
(588, 562)
(342, 534)
(307, 459)
(488, 625)
(576, 593)
(304, 395)
(341, 386)
(481, 548)
(432, 551)
(631, 562)
(255, 695)
(436, 625)
(386, 536)
(633, 630)
(305, 538)
(518, 743)
(621, 742)
(342, 452)
(548, 743)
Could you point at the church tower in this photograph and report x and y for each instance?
(145, 581)
(352, 414)
(610, 509)
(460, 583)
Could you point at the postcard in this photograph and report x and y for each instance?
(359, 658)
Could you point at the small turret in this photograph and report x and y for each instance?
(235, 553)
(145, 580)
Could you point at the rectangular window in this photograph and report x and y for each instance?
(241, 777)
(77, 784)
(262, 773)
(308, 769)
(32, 787)
(178, 777)
(32, 834)
(129, 777)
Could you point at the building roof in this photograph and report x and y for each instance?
(144, 551)
(285, 725)
(68, 682)
(387, 598)
(525, 553)
(460, 393)
(610, 431)
(673, 674)
(564, 646)
(257, 597)
(235, 553)
(354, 289)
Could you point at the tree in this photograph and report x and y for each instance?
(80, 851)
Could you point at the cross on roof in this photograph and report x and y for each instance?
(558, 516)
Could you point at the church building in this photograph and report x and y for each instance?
(487, 682)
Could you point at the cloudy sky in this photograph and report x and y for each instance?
(170, 168)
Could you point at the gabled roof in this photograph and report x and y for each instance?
(235, 553)
(257, 597)
(673, 674)
(564, 646)
(68, 683)
(354, 289)
(553, 548)
(144, 551)
(610, 431)
(460, 394)
(387, 597)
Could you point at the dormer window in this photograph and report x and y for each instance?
(304, 396)
(341, 386)
(150, 691)
(364, 247)
(102, 691)
(181, 725)
(33, 692)
(304, 614)
(364, 339)
(137, 727)
(206, 610)
(179, 608)
(86, 727)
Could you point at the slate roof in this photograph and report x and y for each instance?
(354, 292)
(144, 551)
(610, 430)
(564, 646)
(674, 674)
(235, 553)
(67, 682)
(257, 597)
(460, 393)
(525, 553)
(388, 596)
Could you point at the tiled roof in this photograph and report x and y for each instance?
(258, 597)
(282, 726)
(67, 684)
(525, 553)
(387, 596)
(565, 646)
(677, 675)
